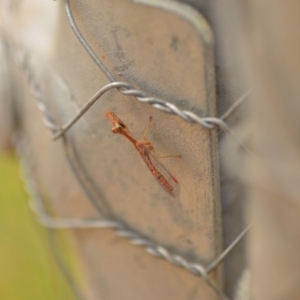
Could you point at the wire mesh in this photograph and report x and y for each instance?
(22, 59)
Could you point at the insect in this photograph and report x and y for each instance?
(145, 149)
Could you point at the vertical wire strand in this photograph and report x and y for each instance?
(85, 45)
(111, 78)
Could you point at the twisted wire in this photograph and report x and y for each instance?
(128, 90)
(134, 238)
(31, 187)
(120, 229)
(64, 223)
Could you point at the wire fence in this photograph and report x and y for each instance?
(22, 58)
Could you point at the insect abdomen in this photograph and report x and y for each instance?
(159, 177)
(162, 180)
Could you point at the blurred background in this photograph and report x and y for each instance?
(257, 46)
(28, 268)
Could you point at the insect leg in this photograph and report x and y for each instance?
(147, 128)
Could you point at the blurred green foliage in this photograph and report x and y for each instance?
(28, 270)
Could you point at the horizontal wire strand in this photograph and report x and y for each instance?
(120, 229)
(134, 238)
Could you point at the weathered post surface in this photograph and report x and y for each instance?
(166, 50)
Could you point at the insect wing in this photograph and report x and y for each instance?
(170, 181)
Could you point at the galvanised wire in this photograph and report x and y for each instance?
(128, 90)
(120, 228)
